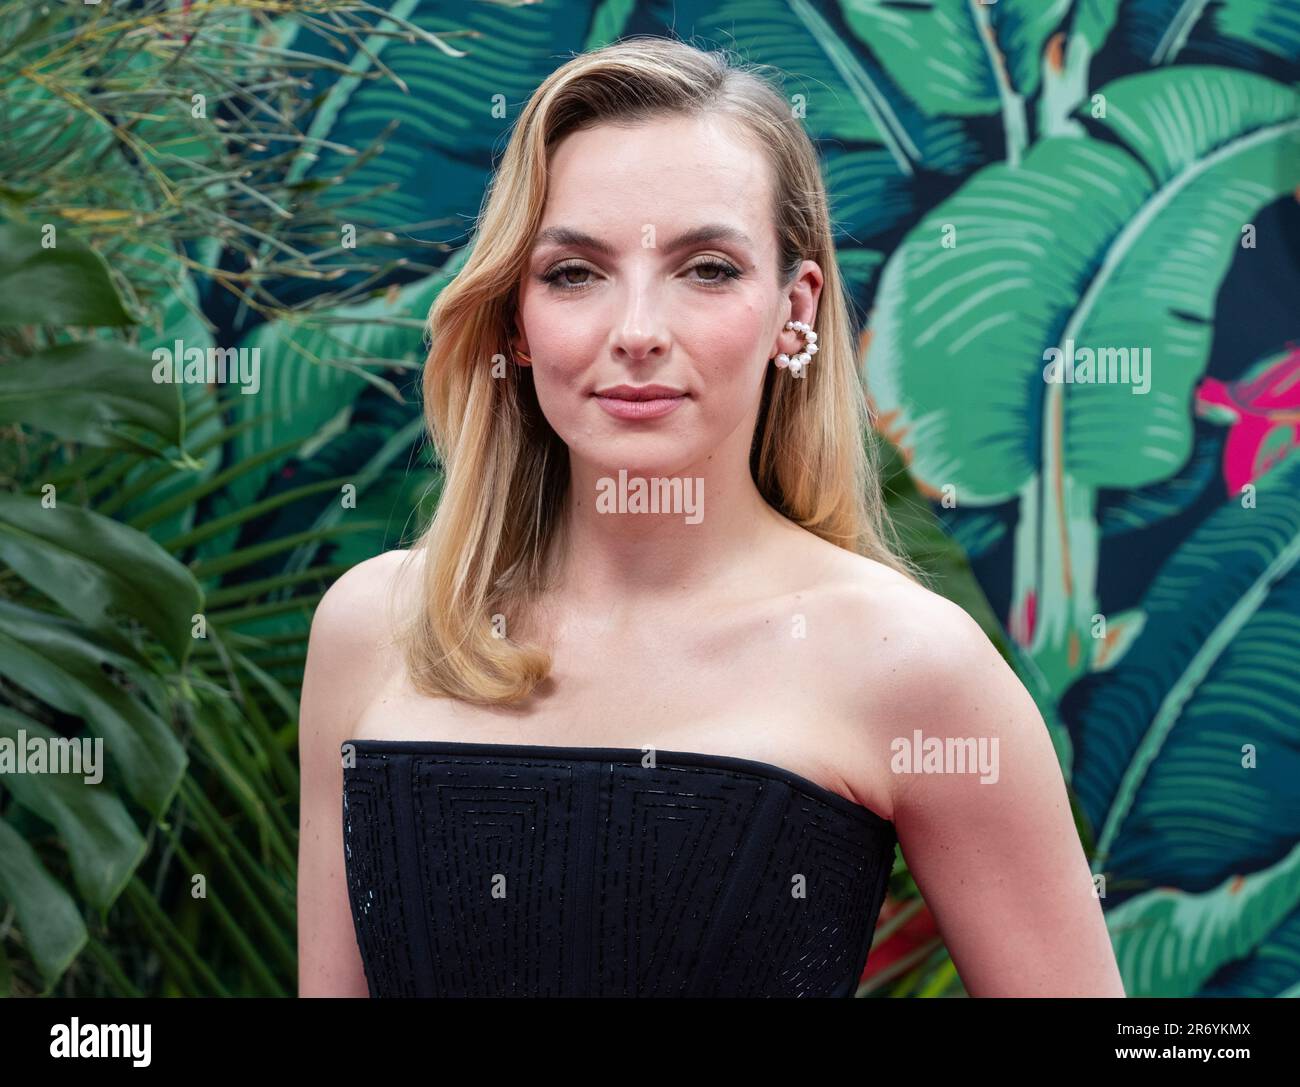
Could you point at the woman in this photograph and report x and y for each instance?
(635, 715)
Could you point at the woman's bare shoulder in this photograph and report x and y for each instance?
(905, 646)
(365, 605)
(353, 647)
(868, 591)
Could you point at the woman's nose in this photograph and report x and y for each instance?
(641, 329)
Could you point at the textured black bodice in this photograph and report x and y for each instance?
(522, 870)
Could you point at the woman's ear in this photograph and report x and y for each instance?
(519, 344)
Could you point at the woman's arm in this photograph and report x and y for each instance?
(999, 862)
(343, 667)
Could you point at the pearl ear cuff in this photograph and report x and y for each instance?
(796, 363)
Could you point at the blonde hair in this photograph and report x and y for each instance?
(506, 470)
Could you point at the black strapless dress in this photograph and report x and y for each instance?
(526, 870)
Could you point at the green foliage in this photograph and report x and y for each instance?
(127, 201)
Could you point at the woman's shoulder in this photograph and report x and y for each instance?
(375, 572)
(880, 598)
(888, 600)
(357, 623)
(905, 648)
(364, 603)
(352, 648)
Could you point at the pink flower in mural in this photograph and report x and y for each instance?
(1262, 411)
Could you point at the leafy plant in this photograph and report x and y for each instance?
(129, 219)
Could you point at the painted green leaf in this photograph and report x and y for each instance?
(857, 268)
(1271, 969)
(1269, 25)
(1235, 32)
(841, 95)
(1221, 118)
(1161, 31)
(608, 22)
(66, 285)
(869, 194)
(312, 373)
(1079, 245)
(1093, 21)
(1165, 740)
(453, 114)
(103, 843)
(48, 657)
(977, 531)
(939, 51)
(1131, 511)
(94, 567)
(1170, 943)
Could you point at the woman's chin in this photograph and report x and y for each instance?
(640, 458)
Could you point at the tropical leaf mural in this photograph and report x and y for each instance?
(1027, 195)
(973, 282)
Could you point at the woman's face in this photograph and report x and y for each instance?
(655, 265)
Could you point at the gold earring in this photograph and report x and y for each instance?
(527, 358)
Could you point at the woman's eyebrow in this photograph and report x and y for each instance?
(699, 235)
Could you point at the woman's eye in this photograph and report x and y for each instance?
(560, 276)
(722, 272)
(710, 272)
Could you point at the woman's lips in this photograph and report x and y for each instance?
(639, 409)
